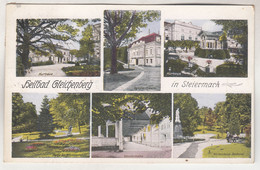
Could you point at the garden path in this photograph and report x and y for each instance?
(48, 71)
(195, 149)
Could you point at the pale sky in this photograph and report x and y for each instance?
(36, 98)
(207, 25)
(208, 100)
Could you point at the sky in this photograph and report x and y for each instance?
(207, 25)
(36, 98)
(154, 27)
(208, 100)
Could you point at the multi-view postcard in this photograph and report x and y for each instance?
(116, 83)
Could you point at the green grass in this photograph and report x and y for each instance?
(214, 130)
(234, 150)
(50, 150)
(36, 135)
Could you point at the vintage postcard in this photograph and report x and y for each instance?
(129, 84)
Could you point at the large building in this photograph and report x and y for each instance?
(146, 51)
(178, 30)
(96, 38)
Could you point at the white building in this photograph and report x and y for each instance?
(67, 57)
(178, 30)
(96, 38)
(146, 51)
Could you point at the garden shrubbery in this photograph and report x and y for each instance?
(42, 63)
(230, 70)
(83, 70)
(216, 54)
(177, 65)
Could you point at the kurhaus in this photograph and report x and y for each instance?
(146, 51)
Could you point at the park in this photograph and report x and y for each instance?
(198, 51)
(131, 125)
(212, 126)
(59, 129)
(58, 47)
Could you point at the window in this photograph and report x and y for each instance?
(151, 51)
(167, 38)
(190, 38)
(182, 37)
(151, 60)
(147, 60)
(146, 52)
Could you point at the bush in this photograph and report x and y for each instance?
(19, 67)
(76, 64)
(119, 66)
(42, 63)
(84, 70)
(177, 65)
(230, 70)
(201, 73)
(194, 67)
(216, 54)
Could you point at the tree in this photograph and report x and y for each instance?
(238, 30)
(189, 116)
(24, 117)
(45, 121)
(70, 110)
(120, 26)
(210, 119)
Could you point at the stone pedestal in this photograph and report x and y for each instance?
(177, 130)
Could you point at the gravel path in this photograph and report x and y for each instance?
(48, 70)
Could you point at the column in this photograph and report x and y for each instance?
(120, 135)
(107, 129)
(116, 129)
(99, 131)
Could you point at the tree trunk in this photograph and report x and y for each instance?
(79, 128)
(25, 56)
(113, 60)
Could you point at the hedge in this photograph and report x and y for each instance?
(177, 65)
(83, 70)
(43, 63)
(230, 70)
(216, 54)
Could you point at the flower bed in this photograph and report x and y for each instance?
(71, 149)
(84, 70)
(30, 148)
(38, 143)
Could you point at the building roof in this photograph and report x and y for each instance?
(146, 39)
(211, 34)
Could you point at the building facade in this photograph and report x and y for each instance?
(146, 51)
(97, 39)
(178, 31)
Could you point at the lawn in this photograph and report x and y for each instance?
(234, 150)
(36, 135)
(64, 148)
(214, 130)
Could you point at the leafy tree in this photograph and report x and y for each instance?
(120, 26)
(210, 119)
(70, 110)
(45, 120)
(189, 115)
(24, 117)
(238, 30)
(39, 35)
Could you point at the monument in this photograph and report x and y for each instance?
(177, 126)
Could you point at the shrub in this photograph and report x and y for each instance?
(77, 64)
(230, 70)
(42, 63)
(216, 54)
(83, 70)
(19, 67)
(194, 67)
(177, 65)
(120, 67)
(71, 149)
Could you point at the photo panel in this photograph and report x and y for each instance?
(58, 47)
(212, 125)
(132, 50)
(205, 48)
(50, 125)
(131, 125)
